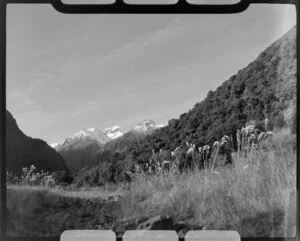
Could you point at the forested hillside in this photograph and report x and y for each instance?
(266, 88)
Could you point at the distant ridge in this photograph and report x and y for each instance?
(84, 147)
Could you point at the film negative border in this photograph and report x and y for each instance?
(182, 6)
(119, 7)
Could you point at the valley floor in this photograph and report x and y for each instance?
(251, 197)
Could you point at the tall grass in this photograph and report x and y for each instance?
(249, 196)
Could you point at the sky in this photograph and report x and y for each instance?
(69, 72)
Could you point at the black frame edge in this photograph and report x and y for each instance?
(3, 119)
(119, 7)
(182, 6)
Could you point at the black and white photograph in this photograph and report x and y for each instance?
(151, 121)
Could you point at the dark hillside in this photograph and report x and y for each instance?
(76, 159)
(23, 151)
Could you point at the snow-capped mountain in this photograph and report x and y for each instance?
(135, 134)
(82, 139)
(87, 136)
(113, 132)
(147, 125)
(56, 145)
(81, 149)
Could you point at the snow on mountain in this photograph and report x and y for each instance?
(55, 145)
(82, 139)
(92, 129)
(147, 125)
(89, 136)
(113, 132)
(160, 126)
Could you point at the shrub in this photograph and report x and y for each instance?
(30, 177)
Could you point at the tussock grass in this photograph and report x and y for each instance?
(250, 197)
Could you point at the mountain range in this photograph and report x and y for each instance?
(83, 148)
(137, 133)
(266, 88)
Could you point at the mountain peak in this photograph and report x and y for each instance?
(82, 139)
(114, 128)
(113, 132)
(146, 125)
(92, 129)
(54, 145)
(148, 122)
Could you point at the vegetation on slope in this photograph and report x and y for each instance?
(266, 88)
(250, 197)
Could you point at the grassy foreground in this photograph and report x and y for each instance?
(251, 197)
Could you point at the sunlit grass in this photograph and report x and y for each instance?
(224, 198)
(94, 192)
(250, 196)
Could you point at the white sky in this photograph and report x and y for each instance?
(68, 72)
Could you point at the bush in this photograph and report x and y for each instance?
(31, 177)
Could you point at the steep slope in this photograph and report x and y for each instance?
(23, 151)
(265, 88)
(80, 149)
